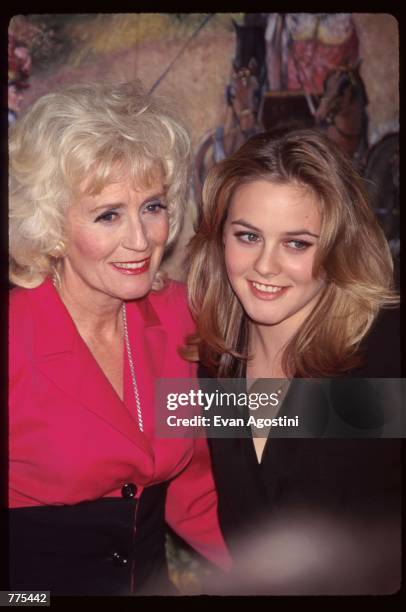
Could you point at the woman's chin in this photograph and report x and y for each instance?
(135, 294)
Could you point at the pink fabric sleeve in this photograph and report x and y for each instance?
(191, 508)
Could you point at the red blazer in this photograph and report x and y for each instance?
(72, 439)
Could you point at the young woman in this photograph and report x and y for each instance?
(289, 277)
(98, 187)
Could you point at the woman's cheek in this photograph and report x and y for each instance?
(88, 245)
(240, 258)
(299, 266)
(158, 230)
(232, 261)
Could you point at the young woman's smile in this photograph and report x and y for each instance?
(266, 292)
(270, 239)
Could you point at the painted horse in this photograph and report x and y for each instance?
(341, 112)
(243, 95)
(342, 115)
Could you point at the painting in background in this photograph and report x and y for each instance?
(233, 74)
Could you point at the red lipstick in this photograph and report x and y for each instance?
(131, 267)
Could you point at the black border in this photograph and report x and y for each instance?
(386, 602)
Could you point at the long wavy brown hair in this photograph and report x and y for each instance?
(353, 254)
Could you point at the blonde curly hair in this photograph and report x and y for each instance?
(87, 130)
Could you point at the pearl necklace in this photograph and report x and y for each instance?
(132, 370)
(130, 359)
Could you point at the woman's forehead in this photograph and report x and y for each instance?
(143, 177)
(267, 192)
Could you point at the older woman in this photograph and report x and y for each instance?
(98, 189)
(289, 277)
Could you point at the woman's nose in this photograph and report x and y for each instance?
(267, 263)
(135, 237)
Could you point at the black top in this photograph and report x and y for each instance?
(335, 489)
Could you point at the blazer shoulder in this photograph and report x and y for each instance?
(28, 305)
(21, 331)
(171, 304)
(173, 292)
(20, 310)
(18, 298)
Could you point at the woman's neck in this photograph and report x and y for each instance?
(96, 315)
(266, 345)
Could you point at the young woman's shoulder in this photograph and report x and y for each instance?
(381, 348)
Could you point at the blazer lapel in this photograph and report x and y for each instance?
(63, 357)
(148, 341)
(146, 325)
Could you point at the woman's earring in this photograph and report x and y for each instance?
(58, 253)
(55, 280)
(59, 250)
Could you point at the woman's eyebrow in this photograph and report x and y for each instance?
(245, 224)
(299, 232)
(302, 232)
(155, 196)
(115, 205)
